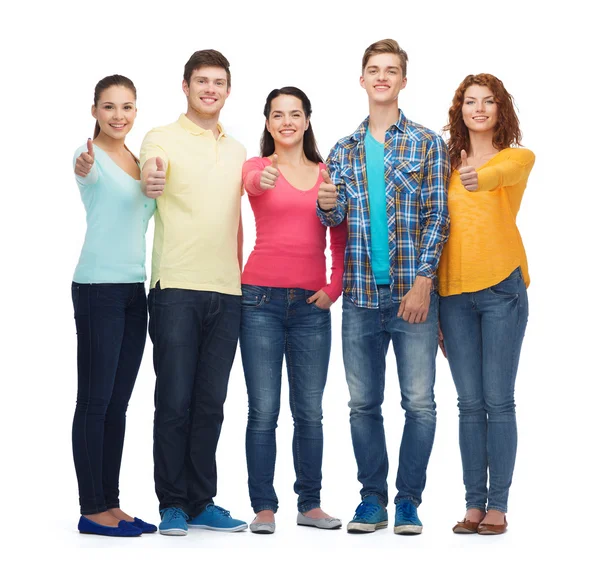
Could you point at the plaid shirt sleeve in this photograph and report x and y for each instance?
(335, 216)
(434, 218)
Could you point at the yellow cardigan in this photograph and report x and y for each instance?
(485, 245)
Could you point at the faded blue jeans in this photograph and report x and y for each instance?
(483, 332)
(366, 334)
(278, 322)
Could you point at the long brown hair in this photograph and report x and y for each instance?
(309, 143)
(106, 83)
(507, 131)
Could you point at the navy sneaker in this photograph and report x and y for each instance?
(174, 522)
(407, 520)
(215, 518)
(369, 516)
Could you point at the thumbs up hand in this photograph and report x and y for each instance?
(327, 193)
(468, 174)
(85, 161)
(154, 184)
(269, 175)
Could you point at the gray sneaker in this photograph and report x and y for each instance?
(322, 523)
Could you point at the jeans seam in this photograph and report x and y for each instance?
(85, 418)
(290, 371)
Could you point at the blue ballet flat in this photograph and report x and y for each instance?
(144, 526)
(123, 530)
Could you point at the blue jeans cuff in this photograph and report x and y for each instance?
(308, 506)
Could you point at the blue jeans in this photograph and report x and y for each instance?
(366, 335)
(278, 322)
(111, 334)
(483, 332)
(195, 337)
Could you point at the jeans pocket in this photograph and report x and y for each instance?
(510, 286)
(253, 296)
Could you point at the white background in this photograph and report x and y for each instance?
(52, 56)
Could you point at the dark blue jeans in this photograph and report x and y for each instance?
(366, 335)
(278, 322)
(111, 333)
(195, 337)
(483, 332)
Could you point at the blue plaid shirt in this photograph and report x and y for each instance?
(417, 170)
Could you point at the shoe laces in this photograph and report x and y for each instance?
(174, 513)
(365, 510)
(407, 510)
(220, 510)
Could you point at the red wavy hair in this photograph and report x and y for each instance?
(507, 131)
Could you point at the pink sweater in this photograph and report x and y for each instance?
(290, 240)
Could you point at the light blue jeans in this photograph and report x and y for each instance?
(483, 332)
(366, 335)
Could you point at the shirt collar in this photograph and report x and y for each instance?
(194, 129)
(359, 134)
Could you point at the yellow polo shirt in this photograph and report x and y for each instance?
(197, 216)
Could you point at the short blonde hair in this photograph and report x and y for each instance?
(385, 46)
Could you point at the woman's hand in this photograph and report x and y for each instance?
(441, 342)
(468, 174)
(269, 175)
(320, 299)
(85, 161)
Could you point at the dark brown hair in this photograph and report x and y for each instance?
(507, 131)
(309, 143)
(207, 57)
(106, 83)
(386, 46)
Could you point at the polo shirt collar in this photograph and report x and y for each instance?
(194, 129)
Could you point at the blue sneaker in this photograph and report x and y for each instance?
(174, 522)
(369, 516)
(218, 519)
(407, 520)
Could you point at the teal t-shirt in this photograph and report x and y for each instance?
(380, 253)
(117, 216)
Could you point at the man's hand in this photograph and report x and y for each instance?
(154, 183)
(85, 161)
(468, 174)
(320, 299)
(414, 306)
(269, 175)
(327, 193)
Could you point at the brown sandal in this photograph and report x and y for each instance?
(465, 527)
(492, 529)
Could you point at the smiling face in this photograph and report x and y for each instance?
(382, 78)
(115, 111)
(287, 121)
(207, 90)
(479, 109)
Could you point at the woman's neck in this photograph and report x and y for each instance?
(108, 144)
(481, 144)
(291, 156)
